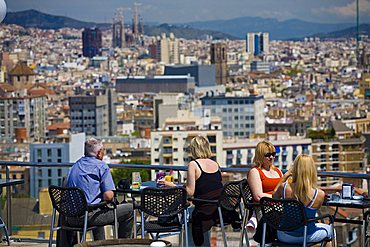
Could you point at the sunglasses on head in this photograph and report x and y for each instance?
(268, 155)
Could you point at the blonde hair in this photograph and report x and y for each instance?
(304, 177)
(262, 148)
(199, 148)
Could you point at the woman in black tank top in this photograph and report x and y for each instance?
(202, 185)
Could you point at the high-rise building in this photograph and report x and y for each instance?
(257, 43)
(219, 59)
(23, 118)
(93, 114)
(91, 42)
(241, 116)
(167, 50)
(118, 32)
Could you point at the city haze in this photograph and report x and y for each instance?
(160, 11)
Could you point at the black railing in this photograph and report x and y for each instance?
(178, 169)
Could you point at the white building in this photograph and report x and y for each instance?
(169, 146)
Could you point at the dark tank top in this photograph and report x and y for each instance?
(208, 183)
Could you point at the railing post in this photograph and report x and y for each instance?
(368, 185)
(8, 202)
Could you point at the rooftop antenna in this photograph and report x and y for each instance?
(358, 30)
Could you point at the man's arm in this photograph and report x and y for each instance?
(108, 196)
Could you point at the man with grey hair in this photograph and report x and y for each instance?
(93, 176)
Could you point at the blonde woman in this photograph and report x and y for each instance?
(204, 181)
(262, 179)
(304, 188)
(264, 176)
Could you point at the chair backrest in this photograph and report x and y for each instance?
(163, 201)
(283, 214)
(246, 193)
(230, 195)
(68, 201)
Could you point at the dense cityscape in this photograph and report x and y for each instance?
(146, 97)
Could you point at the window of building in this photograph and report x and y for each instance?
(59, 152)
(49, 152)
(41, 235)
(59, 172)
(49, 172)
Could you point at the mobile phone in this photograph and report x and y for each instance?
(347, 191)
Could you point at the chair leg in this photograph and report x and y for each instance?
(186, 228)
(6, 234)
(243, 233)
(305, 236)
(264, 234)
(85, 228)
(142, 224)
(222, 226)
(115, 224)
(52, 227)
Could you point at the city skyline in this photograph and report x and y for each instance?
(330, 11)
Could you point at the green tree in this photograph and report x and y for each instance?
(126, 173)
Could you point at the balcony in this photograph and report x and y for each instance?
(32, 228)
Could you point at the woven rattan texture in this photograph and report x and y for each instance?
(284, 215)
(70, 202)
(230, 196)
(163, 201)
(246, 193)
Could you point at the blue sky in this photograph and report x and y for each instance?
(175, 11)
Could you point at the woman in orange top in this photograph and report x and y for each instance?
(263, 177)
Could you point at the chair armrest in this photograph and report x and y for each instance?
(98, 205)
(202, 200)
(103, 204)
(331, 218)
(252, 204)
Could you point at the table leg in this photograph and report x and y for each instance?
(363, 230)
(135, 223)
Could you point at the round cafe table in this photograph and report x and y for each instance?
(121, 243)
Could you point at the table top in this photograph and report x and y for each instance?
(10, 182)
(349, 203)
(151, 184)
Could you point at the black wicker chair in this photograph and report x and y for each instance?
(71, 202)
(288, 215)
(249, 205)
(168, 204)
(229, 200)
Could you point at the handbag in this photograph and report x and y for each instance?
(271, 233)
(169, 220)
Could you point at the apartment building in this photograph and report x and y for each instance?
(23, 118)
(241, 115)
(240, 152)
(43, 177)
(169, 145)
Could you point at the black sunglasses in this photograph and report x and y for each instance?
(268, 155)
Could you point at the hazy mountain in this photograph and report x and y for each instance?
(346, 33)
(278, 29)
(34, 18)
(221, 29)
